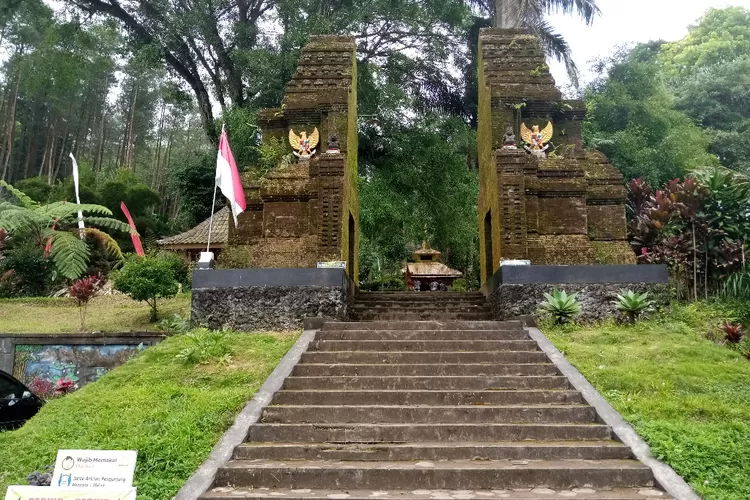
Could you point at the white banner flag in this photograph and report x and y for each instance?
(78, 197)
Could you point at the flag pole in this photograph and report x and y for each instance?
(211, 221)
(213, 202)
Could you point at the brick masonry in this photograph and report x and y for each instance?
(566, 209)
(299, 214)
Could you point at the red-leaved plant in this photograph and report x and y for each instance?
(64, 386)
(732, 332)
(82, 291)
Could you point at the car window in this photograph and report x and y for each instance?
(9, 388)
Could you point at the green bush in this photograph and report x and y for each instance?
(26, 272)
(179, 267)
(561, 306)
(385, 284)
(205, 345)
(633, 304)
(460, 285)
(147, 279)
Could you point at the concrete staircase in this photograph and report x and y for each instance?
(419, 306)
(430, 410)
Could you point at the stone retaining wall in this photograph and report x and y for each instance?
(253, 300)
(516, 291)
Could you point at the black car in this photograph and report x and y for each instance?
(17, 402)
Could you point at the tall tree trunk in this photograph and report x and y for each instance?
(100, 151)
(131, 134)
(11, 132)
(507, 14)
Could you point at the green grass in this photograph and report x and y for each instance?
(688, 397)
(107, 313)
(170, 412)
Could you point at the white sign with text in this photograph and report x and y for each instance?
(51, 493)
(94, 469)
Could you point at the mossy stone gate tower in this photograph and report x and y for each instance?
(566, 209)
(308, 212)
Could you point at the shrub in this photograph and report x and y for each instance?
(737, 285)
(205, 345)
(26, 272)
(179, 267)
(385, 284)
(147, 279)
(732, 332)
(633, 304)
(459, 285)
(82, 291)
(561, 306)
(174, 325)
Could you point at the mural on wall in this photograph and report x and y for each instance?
(51, 370)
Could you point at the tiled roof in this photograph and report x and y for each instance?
(199, 234)
(431, 270)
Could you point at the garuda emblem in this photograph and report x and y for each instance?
(304, 146)
(536, 140)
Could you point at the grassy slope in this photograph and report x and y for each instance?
(688, 397)
(108, 313)
(172, 413)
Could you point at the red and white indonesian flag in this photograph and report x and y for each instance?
(228, 177)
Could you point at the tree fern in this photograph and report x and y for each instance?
(109, 223)
(55, 223)
(69, 253)
(106, 241)
(22, 198)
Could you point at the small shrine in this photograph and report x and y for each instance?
(427, 273)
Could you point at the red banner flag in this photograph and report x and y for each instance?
(133, 231)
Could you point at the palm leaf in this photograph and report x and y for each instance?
(106, 241)
(18, 194)
(586, 9)
(69, 253)
(556, 46)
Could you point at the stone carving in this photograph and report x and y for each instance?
(509, 139)
(536, 140)
(334, 146)
(304, 146)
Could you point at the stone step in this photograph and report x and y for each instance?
(510, 334)
(410, 316)
(417, 296)
(423, 345)
(329, 397)
(497, 383)
(401, 433)
(455, 474)
(419, 307)
(421, 325)
(335, 370)
(429, 414)
(508, 450)
(234, 493)
(456, 357)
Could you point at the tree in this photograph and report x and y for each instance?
(51, 227)
(215, 46)
(147, 279)
(419, 182)
(632, 119)
(708, 71)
